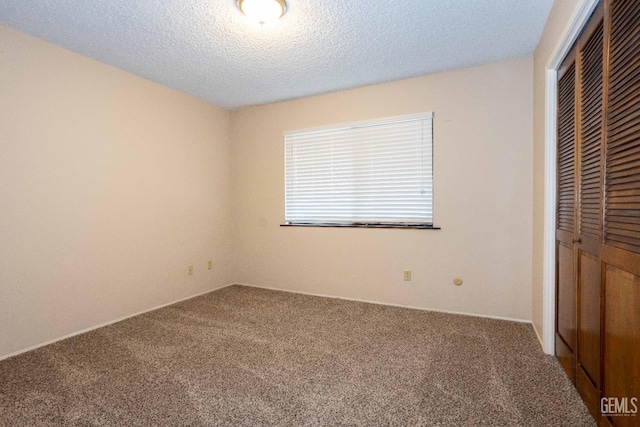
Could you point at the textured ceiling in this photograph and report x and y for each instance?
(208, 49)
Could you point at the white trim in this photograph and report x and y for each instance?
(24, 350)
(578, 21)
(576, 24)
(549, 250)
(386, 303)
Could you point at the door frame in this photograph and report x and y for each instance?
(576, 24)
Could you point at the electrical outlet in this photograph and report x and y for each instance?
(407, 275)
(190, 270)
(210, 265)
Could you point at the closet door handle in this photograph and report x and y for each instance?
(576, 240)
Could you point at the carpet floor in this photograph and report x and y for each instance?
(245, 356)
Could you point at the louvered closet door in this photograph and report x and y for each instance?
(621, 249)
(589, 186)
(598, 211)
(622, 226)
(566, 218)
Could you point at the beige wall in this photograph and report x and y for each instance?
(110, 185)
(483, 198)
(556, 24)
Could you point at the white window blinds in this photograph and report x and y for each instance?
(372, 173)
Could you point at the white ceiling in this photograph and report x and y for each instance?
(208, 49)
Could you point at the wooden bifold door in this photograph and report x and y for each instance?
(598, 214)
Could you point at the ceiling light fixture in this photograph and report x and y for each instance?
(262, 11)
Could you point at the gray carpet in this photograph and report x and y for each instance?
(245, 356)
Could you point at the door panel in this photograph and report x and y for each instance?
(591, 135)
(566, 193)
(622, 195)
(589, 339)
(566, 296)
(566, 314)
(598, 211)
(621, 249)
(588, 392)
(589, 185)
(622, 339)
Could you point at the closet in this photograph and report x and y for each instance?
(598, 213)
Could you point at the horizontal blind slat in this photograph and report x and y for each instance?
(379, 172)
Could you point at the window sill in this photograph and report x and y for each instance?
(321, 224)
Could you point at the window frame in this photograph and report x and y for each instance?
(365, 224)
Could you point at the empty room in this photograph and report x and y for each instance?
(289, 212)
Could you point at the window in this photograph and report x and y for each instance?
(373, 173)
